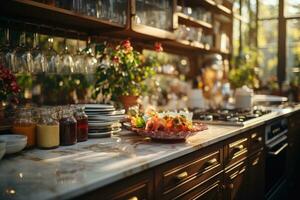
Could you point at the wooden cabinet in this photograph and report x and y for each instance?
(137, 187)
(293, 160)
(236, 182)
(236, 150)
(230, 170)
(256, 177)
(178, 178)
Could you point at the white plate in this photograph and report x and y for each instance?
(14, 143)
(98, 106)
(104, 134)
(106, 118)
(100, 124)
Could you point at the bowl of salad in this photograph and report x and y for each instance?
(164, 125)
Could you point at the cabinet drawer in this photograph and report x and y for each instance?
(256, 140)
(210, 189)
(235, 182)
(236, 150)
(180, 176)
(137, 187)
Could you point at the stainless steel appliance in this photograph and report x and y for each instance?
(231, 117)
(276, 155)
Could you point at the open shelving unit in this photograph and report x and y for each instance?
(42, 14)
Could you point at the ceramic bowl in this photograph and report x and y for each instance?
(2, 149)
(14, 143)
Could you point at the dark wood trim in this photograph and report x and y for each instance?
(281, 73)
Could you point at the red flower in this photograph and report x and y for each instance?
(126, 44)
(9, 87)
(116, 59)
(14, 87)
(158, 47)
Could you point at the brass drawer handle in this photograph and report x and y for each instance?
(239, 147)
(211, 162)
(133, 198)
(259, 139)
(182, 176)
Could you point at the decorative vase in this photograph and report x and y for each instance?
(128, 101)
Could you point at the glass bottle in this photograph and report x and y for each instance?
(25, 125)
(47, 130)
(67, 128)
(82, 124)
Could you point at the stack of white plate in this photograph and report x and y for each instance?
(14, 143)
(103, 119)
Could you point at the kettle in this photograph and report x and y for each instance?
(244, 98)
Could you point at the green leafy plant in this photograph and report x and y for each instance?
(122, 71)
(244, 71)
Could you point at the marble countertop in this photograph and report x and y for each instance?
(67, 172)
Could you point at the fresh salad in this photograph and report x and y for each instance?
(170, 122)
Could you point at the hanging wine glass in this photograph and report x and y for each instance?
(91, 61)
(79, 61)
(40, 63)
(67, 62)
(52, 57)
(23, 61)
(6, 51)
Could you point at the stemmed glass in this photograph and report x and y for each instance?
(52, 57)
(91, 61)
(40, 63)
(6, 52)
(79, 61)
(23, 61)
(67, 64)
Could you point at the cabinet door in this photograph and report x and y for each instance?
(137, 187)
(256, 176)
(235, 182)
(210, 191)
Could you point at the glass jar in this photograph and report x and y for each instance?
(67, 128)
(47, 130)
(25, 125)
(82, 124)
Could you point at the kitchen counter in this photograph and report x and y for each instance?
(68, 172)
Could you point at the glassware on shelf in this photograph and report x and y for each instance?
(79, 6)
(155, 13)
(23, 61)
(91, 9)
(82, 123)
(40, 63)
(79, 61)
(90, 60)
(67, 128)
(6, 52)
(53, 58)
(47, 130)
(67, 62)
(25, 125)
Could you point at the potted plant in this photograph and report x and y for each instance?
(245, 72)
(122, 73)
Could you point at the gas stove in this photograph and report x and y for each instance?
(232, 117)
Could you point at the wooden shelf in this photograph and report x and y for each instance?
(190, 21)
(210, 4)
(39, 13)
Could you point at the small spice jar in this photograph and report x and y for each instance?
(67, 128)
(47, 130)
(25, 125)
(82, 124)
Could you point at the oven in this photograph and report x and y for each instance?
(276, 155)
